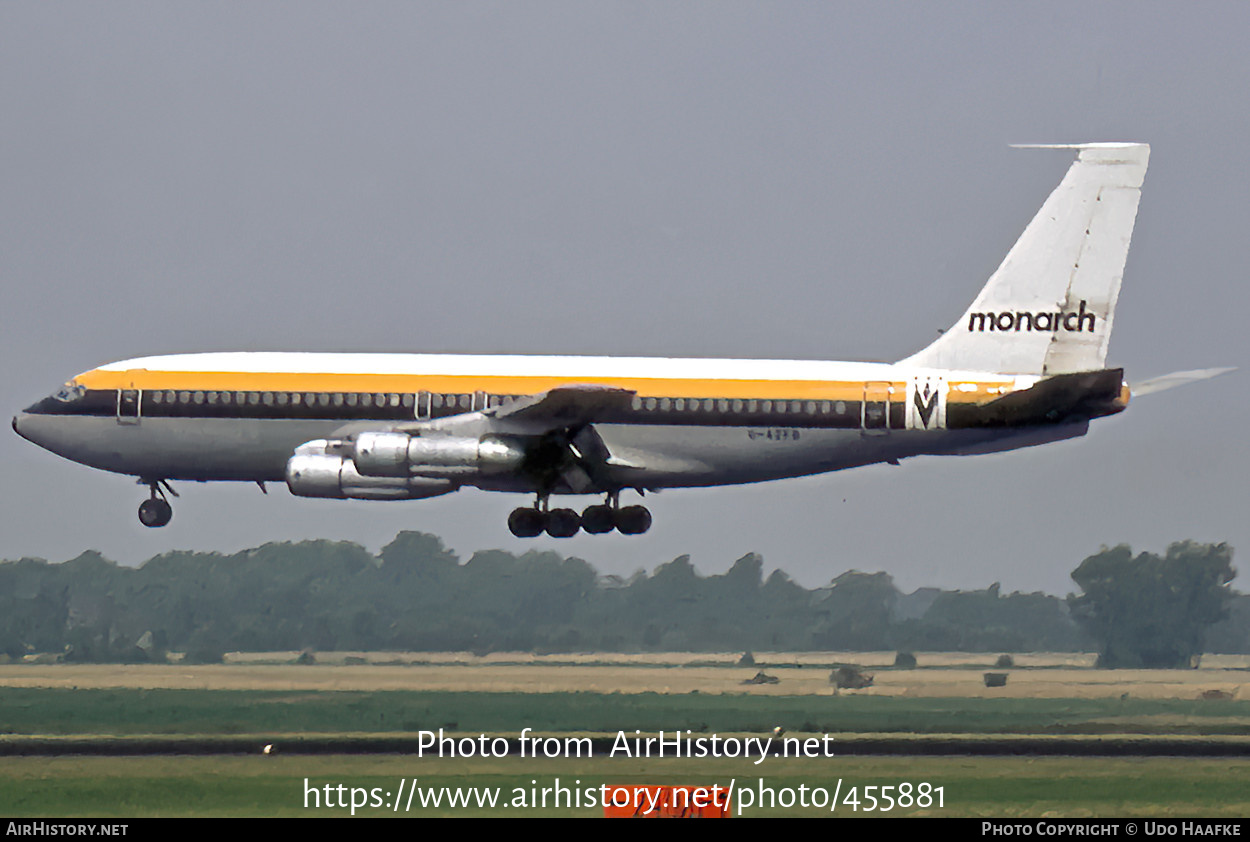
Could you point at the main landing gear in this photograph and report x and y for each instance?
(156, 511)
(565, 523)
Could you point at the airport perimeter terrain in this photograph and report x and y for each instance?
(1061, 738)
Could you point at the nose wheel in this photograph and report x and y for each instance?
(156, 511)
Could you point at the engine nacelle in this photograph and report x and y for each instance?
(319, 470)
(435, 456)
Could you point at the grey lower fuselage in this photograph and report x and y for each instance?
(647, 456)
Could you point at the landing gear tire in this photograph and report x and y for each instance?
(563, 523)
(526, 523)
(633, 520)
(155, 512)
(598, 519)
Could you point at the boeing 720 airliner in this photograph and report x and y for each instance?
(1025, 365)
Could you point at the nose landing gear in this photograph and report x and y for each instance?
(156, 511)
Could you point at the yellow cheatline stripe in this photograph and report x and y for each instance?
(231, 381)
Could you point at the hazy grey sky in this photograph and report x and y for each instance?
(781, 180)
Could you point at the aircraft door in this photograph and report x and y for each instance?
(423, 406)
(874, 417)
(129, 402)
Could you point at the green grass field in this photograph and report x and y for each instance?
(217, 712)
(275, 785)
(283, 704)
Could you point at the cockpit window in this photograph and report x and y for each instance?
(70, 392)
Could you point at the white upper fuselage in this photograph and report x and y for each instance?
(564, 368)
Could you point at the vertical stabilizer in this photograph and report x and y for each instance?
(1049, 307)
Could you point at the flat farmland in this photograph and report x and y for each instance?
(958, 675)
(377, 703)
(351, 693)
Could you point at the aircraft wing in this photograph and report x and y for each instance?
(567, 406)
(558, 426)
(565, 415)
(561, 408)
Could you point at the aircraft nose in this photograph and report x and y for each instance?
(28, 426)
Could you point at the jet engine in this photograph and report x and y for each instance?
(435, 456)
(318, 469)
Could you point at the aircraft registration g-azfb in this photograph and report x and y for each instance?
(1025, 365)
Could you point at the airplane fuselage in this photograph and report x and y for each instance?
(239, 416)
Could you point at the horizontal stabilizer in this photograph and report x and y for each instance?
(1177, 378)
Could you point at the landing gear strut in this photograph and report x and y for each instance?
(565, 523)
(156, 511)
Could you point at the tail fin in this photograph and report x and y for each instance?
(1048, 308)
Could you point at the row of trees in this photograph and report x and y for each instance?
(418, 596)
(1150, 610)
